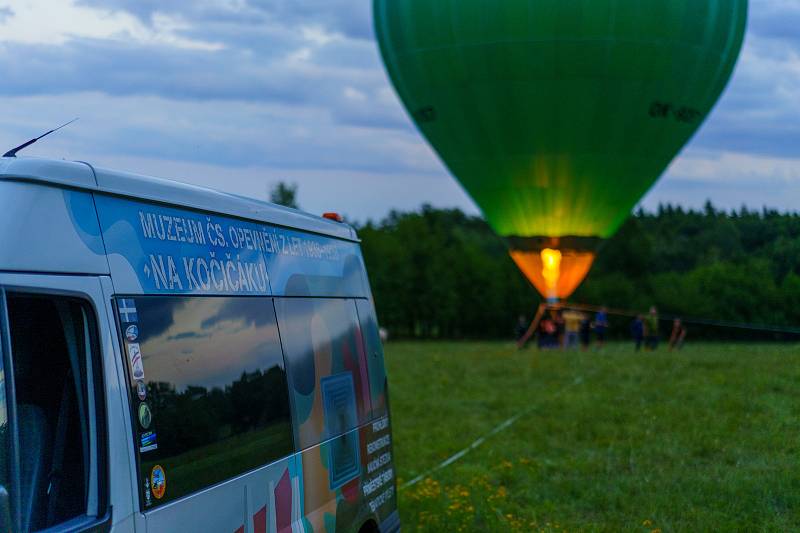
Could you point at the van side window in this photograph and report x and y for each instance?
(52, 341)
(328, 376)
(208, 390)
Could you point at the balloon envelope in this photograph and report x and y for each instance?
(557, 116)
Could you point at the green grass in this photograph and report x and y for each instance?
(702, 440)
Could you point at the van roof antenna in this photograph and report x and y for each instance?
(13, 151)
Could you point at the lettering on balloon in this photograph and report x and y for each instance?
(425, 114)
(664, 110)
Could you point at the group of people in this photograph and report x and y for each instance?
(571, 328)
(567, 329)
(644, 330)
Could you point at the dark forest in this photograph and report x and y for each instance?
(444, 274)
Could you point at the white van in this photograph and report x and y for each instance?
(179, 359)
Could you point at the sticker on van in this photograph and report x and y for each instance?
(141, 390)
(145, 416)
(127, 310)
(158, 482)
(132, 333)
(147, 498)
(147, 442)
(135, 356)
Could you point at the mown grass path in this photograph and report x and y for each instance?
(707, 439)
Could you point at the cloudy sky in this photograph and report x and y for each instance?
(239, 94)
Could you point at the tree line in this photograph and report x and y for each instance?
(443, 274)
(440, 273)
(198, 416)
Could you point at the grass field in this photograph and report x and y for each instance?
(702, 440)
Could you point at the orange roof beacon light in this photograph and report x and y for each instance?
(336, 217)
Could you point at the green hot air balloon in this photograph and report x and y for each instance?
(557, 116)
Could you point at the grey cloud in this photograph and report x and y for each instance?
(250, 106)
(235, 73)
(232, 134)
(5, 13)
(160, 313)
(188, 335)
(759, 112)
(85, 65)
(145, 10)
(251, 311)
(352, 18)
(775, 19)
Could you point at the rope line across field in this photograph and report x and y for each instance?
(482, 439)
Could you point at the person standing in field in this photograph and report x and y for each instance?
(548, 337)
(678, 335)
(586, 332)
(601, 326)
(522, 327)
(651, 330)
(558, 320)
(572, 327)
(637, 331)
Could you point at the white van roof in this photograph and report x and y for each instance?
(83, 176)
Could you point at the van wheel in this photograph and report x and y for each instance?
(369, 527)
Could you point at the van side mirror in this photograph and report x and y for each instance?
(5, 511)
